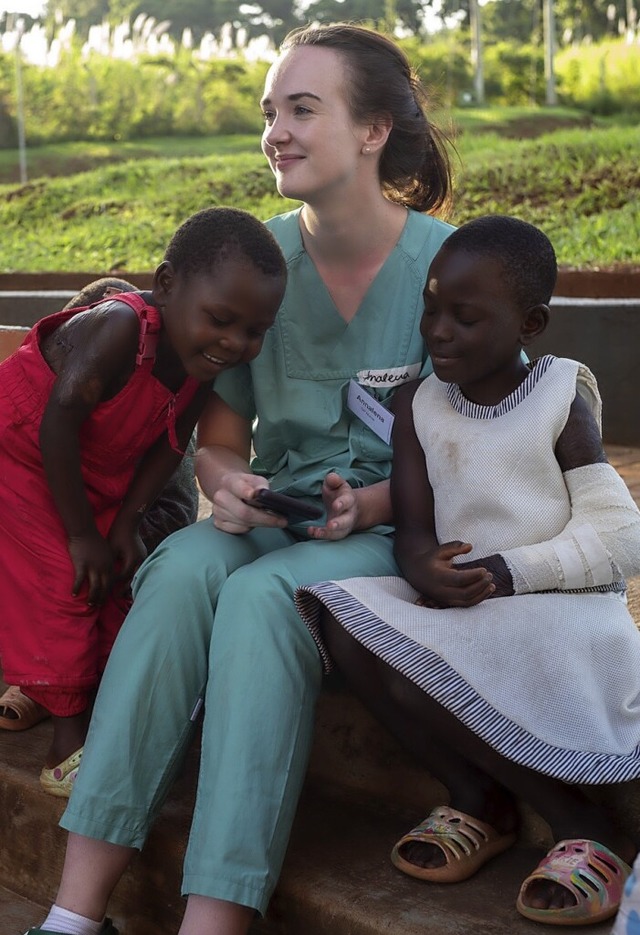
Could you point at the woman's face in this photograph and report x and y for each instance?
(312, 144)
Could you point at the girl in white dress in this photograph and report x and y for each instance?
(507, 662)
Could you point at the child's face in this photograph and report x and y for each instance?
(219, 319)
(472, 324)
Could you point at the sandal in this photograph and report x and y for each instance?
(28, 712)
(108, 928)
(467, 844)
(59, 779)
(590, 871)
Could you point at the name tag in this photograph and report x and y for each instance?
(370, 411)
(392, 376)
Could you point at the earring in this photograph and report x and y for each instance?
(366, 149)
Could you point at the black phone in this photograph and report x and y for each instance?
(291, 507)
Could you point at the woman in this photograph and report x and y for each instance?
(214, 619)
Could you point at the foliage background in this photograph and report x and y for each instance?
(103, 98)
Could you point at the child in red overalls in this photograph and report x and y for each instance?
(174, 508)
(96, 408)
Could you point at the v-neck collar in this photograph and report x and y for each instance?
(300, 250)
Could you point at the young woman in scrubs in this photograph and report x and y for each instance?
(214, 623)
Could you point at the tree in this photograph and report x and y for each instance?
(512, 21)
(382, 14)
(199, 16)
(273, 18)
(86, 13)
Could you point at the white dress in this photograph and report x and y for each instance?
(551, 680)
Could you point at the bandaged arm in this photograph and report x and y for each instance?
(599, 545)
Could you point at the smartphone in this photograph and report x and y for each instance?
(291, 507)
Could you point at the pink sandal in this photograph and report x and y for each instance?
(466, 843)
(590, 871)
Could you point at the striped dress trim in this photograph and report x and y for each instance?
(436, 677)
(465, 407)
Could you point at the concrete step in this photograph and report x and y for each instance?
(337, 878)
(32, 847)
(17, 914)
(355, 758)
(11, 337)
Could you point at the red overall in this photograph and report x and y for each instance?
(53, 644)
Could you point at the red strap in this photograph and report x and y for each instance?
(171, 428)
(147, 343)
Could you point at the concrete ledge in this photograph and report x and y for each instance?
(28, 307)
(605, 335)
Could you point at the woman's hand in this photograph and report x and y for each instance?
(341, 504)
(92, 562)
(444, 584)
(230, 509)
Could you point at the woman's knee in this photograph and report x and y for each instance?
(195, 557)
(256, 618)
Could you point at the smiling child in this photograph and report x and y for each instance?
(96, 408)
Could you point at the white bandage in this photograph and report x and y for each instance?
(599, 545)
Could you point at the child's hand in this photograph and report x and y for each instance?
(128, 549)
(444, 584)
(342, 509)
(92, 562)
(497, 567)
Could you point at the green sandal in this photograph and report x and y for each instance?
(108, 928)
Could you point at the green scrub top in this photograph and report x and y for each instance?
(296, 389)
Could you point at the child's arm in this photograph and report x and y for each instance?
(425, 564)
(600, 545)
(103, 350)
(579, 444)
(223, 469)
(153, 473)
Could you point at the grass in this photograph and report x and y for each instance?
(106, 206)
(581, 186)
(70, 158)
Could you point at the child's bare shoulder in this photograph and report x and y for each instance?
(112, 314)
(109, 330)
(580, 442)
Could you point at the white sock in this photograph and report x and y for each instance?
(70, 923)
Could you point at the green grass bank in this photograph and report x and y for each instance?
(108, 206)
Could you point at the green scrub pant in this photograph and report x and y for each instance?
(214, 621)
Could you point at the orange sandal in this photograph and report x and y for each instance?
(593, 874)
(28, 712)
(467, 844)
